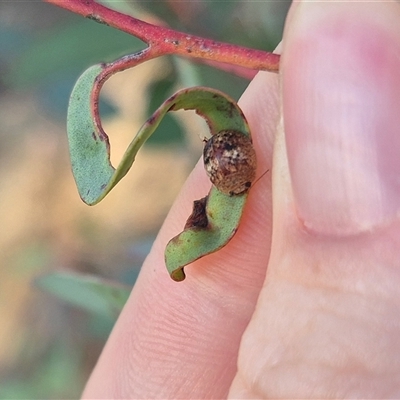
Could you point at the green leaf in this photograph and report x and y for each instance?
(89, 144)
(223, 215)
(89, 148)
(89, 292)
(95, 176)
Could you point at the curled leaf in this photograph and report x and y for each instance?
(222, 213)
(214, 219)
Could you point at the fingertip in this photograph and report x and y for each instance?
(340, 79)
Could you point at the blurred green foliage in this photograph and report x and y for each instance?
(68, 50)
(58, 375)
(55, 58)
(91, 293)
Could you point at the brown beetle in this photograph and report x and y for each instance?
(230, 161)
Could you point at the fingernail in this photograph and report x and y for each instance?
(341, 107)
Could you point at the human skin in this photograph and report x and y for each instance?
(305, 299)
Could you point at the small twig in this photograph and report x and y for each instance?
(162, 41)
(110, 69)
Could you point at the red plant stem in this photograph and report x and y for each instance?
(109, 69)
(162, 41)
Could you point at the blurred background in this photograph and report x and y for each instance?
(53, 320)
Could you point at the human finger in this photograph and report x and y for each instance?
(180, 340)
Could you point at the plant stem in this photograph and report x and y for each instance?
(162, 41)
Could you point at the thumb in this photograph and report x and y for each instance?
(325, 323)
(341, 98)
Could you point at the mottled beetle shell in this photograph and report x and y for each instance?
(230, 161)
